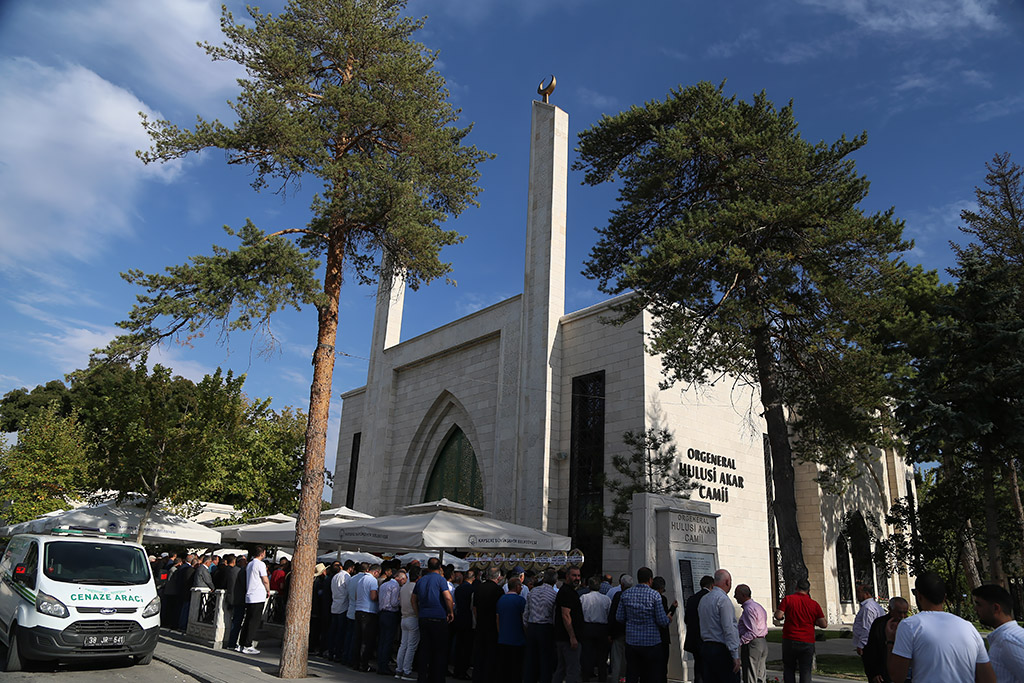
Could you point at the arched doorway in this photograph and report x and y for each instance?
(456, 473)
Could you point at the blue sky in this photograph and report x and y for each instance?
(937, 84)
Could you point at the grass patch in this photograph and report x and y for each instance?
(837, 666)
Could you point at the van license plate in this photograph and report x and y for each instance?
(101, 641)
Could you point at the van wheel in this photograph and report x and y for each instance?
(12, 660)
(143, 660)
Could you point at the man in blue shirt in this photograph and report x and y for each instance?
(367, 615)
(432, 601)
(640, 609)
(511, 636)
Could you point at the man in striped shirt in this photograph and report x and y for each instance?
(640, 609)
(540, 629)
(753, 629)
(389, 602)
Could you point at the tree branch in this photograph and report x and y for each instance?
(289, 231)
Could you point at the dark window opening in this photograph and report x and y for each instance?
(778, 579)
(353, 469)
(843, 570)
(860, 549)
(881, 579)
(456, 474)
(586, 469)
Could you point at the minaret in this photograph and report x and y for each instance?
(543, 305)
(377, 409)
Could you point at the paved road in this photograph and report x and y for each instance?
(96, 672)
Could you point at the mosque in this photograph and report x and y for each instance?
(519, 408)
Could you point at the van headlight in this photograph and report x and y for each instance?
(49, 605)
(153, 608)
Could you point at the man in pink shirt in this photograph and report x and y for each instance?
(753, 627)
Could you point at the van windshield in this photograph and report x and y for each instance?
(98, 564)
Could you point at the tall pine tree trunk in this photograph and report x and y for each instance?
(992, 540)
(783, 474)
(969, 559)
(969, 555)
(144, 519)
(1015, 496)
(295, 644)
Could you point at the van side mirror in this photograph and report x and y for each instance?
(20, 574)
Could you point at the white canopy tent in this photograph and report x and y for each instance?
(343, 512)
(163, 526)
(232, 533)
(12, 529)
(354, 555)
(284, 533)
(434, 526)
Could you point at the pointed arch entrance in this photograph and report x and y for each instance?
(456, 473)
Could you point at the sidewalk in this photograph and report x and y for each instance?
(227, 666)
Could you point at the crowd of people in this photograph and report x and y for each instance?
(428, 623)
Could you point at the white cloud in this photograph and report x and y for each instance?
(471, 302)
(994, 109)
(150, 43)
(728, 48)
(978, 78)
(67, 343)
(928, 18)
(68, 172)
(592, 98)
(672, 53)
(916, 81)
(474, 12)
(933, 226)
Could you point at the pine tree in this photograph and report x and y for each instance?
(337, 92)
(745, 243)
(652, 466)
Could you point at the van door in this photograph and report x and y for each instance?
(10, 594)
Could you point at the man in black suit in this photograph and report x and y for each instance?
(692, 641)
(876, 654)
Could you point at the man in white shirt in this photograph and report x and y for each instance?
(595, 630)
(257, 588)
(866, 615)
(339, 609)
(410, 628)
(942, 647)
(1006, 642)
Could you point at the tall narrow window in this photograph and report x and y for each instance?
(860, 549)
(881, 578)
(843, 570)
(778, 579)
(586, 469)
(353, 468)
(456, 474)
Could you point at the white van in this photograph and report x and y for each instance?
(71, 595)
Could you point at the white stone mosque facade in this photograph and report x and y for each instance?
(519, 408)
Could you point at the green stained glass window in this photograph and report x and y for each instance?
(456, 474)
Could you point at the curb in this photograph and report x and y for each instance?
(185, 668)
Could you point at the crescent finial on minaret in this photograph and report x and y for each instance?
(546, 90)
